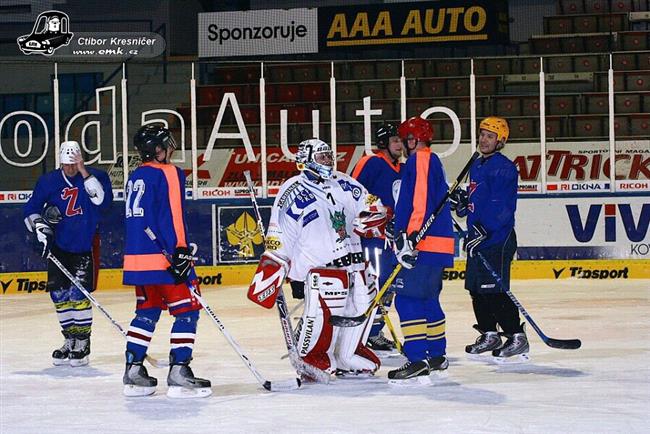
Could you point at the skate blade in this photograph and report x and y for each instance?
(75, 363)
(420, 381)
(387, 354)
(354, 375)
(512, 360)
(483, 357)
(131, 390)
(60, 362)
(178, 392)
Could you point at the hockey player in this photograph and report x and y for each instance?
(64, 213)
(311, 238)
(490, 204)
(380, 174)
(419, 283)
(155, 196)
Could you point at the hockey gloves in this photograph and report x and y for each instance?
(405, 250)
(371, 222)
(459, 201)
(475, 236)
(269, 276)
(182, 262)
(44, 235)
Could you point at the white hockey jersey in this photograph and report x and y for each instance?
(312, 223)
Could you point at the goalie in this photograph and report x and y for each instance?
(314, 239)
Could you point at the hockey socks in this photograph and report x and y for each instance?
(140, 332)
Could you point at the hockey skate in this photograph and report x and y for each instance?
(137, 381)
(61, 356)
(420, 373)
(183, 384)
(80, 351)
(437, 367)
(515, 350)
(382, 346)
(484, 345)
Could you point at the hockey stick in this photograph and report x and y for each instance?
(342, 321)
(93, 300)
(563, 344)
(285, 320)
(391, 329)
(274, 386)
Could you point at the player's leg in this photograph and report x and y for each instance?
(58, 287)
(436, 323)
(414, 300)
(352, 356)
(326, 291)
(185, 308)
(82, 267)
(377, 341)
(136, 380)
(476, 280)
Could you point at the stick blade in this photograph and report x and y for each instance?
(344, 321)
(563, 344)
(282, 386)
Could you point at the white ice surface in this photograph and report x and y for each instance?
(602, 387)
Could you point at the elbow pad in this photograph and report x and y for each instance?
(94, 190)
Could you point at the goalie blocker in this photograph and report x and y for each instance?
(271, 272)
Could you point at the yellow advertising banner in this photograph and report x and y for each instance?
(227, 275)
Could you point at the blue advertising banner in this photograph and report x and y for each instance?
(239, 237)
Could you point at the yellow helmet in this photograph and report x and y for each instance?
(497, 125)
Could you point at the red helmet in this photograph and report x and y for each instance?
(420, 129)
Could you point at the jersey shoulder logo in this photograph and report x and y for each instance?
(348, 186)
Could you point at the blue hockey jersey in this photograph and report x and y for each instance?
(422, 188)
(81, 217)
(378, 174)
(493, 197)
(155, 198)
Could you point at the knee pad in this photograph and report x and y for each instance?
(326, 291)
(147, 316)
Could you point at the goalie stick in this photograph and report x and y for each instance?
(342, 321)
(285, 320)
(89, 296)
(562, 344)
(275, 386)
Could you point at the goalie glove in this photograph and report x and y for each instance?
(44, 235)
(269, 276)
(405, 250)
(475, 237)
(371, 222)
(459, 201)
(182, 262)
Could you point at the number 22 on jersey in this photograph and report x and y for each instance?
(134, 192)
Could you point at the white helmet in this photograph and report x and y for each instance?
(313, 156)
(68, 151)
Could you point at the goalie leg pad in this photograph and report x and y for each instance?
(270, 273)
(316, 336)
(352, 354)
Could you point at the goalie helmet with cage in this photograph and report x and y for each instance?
(499, 126)
(149, 137)
(316, 157)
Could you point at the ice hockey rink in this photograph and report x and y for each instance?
(603, 387)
